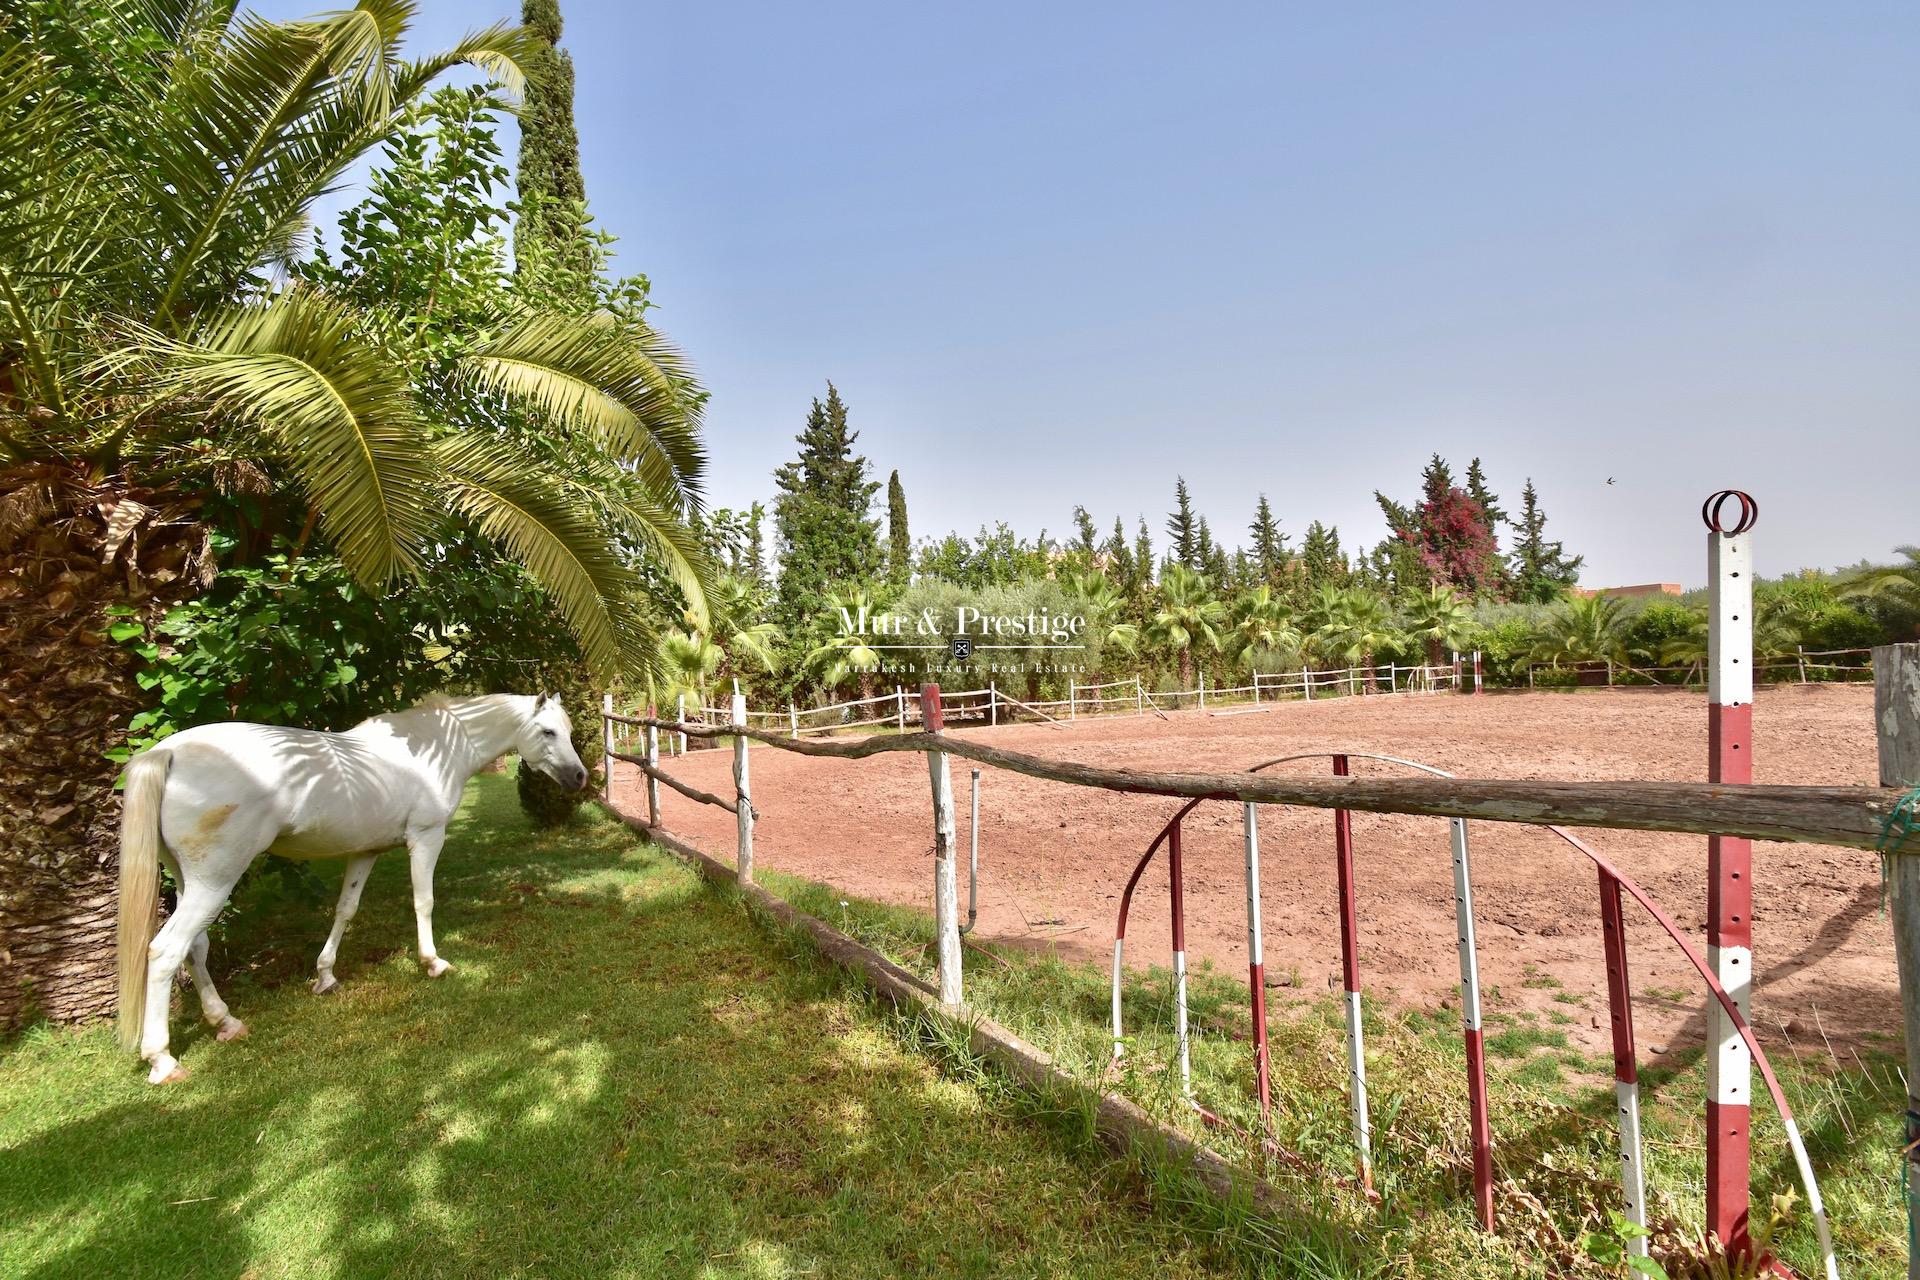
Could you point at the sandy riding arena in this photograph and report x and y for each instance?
(1054, 858)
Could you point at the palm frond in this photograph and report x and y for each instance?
(361, 45)
(499, 51)
(622, 385)
(644, 522)
(224, 120)
(336, 412)
(545, 525)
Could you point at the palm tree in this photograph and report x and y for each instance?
(1259, 627)
(847, 654)
(1100, 604)
(1897, 585)
(1187, 618)
(1583, 629)
(1359, 622)
(1775, 635)
(734, 628)
(158, 162)
(1319, 618)
(1442, 619)
(689, 662)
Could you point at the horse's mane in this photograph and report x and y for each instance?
(447, 702)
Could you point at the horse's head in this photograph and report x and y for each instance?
(546, 743)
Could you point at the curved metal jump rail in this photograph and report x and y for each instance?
(1613, 883)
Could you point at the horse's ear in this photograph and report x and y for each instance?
(540, 702)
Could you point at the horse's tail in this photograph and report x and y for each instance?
(139, 883)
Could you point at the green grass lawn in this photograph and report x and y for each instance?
(624, 1075)
(1555, 1156)
(627, 1075)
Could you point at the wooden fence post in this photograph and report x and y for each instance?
(993, 704)
(680, 717)
(1073, 699)
(606, 746)
(1896, 711)
(743, 855)
(1139, 697)
(653, 762)
(900, 707)
(1203, 690)
(946, 885)
(1800, 651)
(793, 719)
(1306, 682)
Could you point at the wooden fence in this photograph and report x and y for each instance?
(1853, 817)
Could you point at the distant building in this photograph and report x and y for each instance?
(1635, 592)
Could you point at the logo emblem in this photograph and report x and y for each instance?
(962, 648)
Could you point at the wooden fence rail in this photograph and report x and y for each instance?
(666, 779)
(1852, 817)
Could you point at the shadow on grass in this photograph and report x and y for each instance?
(622, 1076)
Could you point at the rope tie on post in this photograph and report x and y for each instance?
(1901, 822)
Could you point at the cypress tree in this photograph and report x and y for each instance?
(1480, 493)
(1436, 480)
(1086, 538)
(1143, 556)
(822, 517)
(899, 544)
(1121, 570)
(756, 558)
(1269, 544)
(1542, 571)
(550, 239)
(1321, 560)
(552, 253)
(1181, 527)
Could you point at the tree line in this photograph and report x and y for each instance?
(1456, 571)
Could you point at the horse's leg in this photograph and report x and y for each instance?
(350, 886)
(212, 1008)
(200, 902)
(423, 851)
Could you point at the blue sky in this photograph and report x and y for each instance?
(1056, 254)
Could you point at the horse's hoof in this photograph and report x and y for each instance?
(436, 967)
(231, 1029)
(166, 1070)
(324, 983)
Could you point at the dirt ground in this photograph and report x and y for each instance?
(1054, 858)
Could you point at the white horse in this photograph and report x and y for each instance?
(210, 800)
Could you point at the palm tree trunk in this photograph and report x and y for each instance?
(69, 551)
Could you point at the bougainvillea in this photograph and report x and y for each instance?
(1455, 547)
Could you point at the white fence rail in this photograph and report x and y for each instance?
(899, 708)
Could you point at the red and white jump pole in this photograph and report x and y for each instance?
(1482, 1132)
(1179, 960)
(1350, 980)
(1479, 682)
(1256, 968)
(1626, 1070)
(1729, 859)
